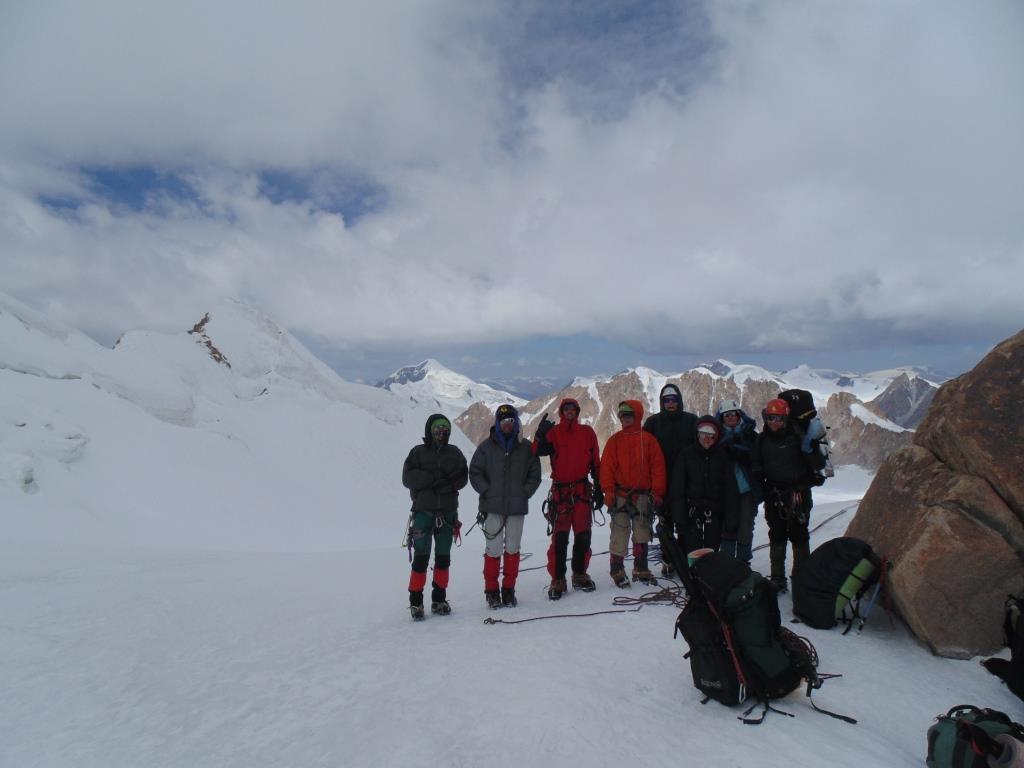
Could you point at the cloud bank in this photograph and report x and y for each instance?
(729, 177)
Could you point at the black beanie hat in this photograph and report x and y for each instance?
(506, 411)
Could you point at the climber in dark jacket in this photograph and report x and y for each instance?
(703, 491)
(674, 429)
(434, 472)
(787, 474)
(506, 474)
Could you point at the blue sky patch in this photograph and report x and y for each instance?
(136, 187)
(352, 196)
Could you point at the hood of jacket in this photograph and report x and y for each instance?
(429, 438)
(672, 389)
(746, 422)
(638, 415)
(568, 401)
(507, 443)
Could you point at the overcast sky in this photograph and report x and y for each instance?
(531, 188)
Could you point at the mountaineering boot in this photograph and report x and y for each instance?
(557, 589)
(493, 599)
(583, 583)
(618, 572)
(801, 552)
(508, 597)
(644, 576)
(640, 570)
(416, 604)
(440, 607)
(777, 556)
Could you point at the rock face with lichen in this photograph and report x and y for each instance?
(949, 509)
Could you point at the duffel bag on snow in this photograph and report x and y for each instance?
(1011, 671)
(969, 737)
(829, 586)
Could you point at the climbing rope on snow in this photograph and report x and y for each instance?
(491, 620)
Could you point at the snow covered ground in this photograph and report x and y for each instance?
(200, 566)
(126, 656)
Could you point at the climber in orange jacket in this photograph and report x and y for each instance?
(633, 478)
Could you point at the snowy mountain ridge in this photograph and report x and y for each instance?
(448, 391)
(249, 441)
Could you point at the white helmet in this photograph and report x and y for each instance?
(728, 405)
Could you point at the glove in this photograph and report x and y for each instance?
(544, 427)
(597, 499)
(481, 517)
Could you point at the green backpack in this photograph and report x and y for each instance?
(965, 737)
(769, 660)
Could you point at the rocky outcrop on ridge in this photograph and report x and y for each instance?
(949, 509)
(905, 401)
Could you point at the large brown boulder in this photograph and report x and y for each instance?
(975, 424)
(948, 510)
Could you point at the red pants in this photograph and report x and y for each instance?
(577, 518)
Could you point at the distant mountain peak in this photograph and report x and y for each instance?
(718, 367)
(452, 392)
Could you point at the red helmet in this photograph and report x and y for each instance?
(776, 407)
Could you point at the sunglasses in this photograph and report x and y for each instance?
(776, 418)
(626, 414)
(670, 399)
(439, 430)
(731, 415)
(508, 420)
(570, 409)
(706, 434)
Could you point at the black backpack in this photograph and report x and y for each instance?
(815, 434)
(738, 648)
(1011, 672)
(801, 405)
(829, 586)
(965, 737)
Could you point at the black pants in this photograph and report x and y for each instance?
(703, 532)
(788, 514)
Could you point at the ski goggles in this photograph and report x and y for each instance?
(774, 417)
(670, 399)
(709, 432)
(731, 415)
(508, 420)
